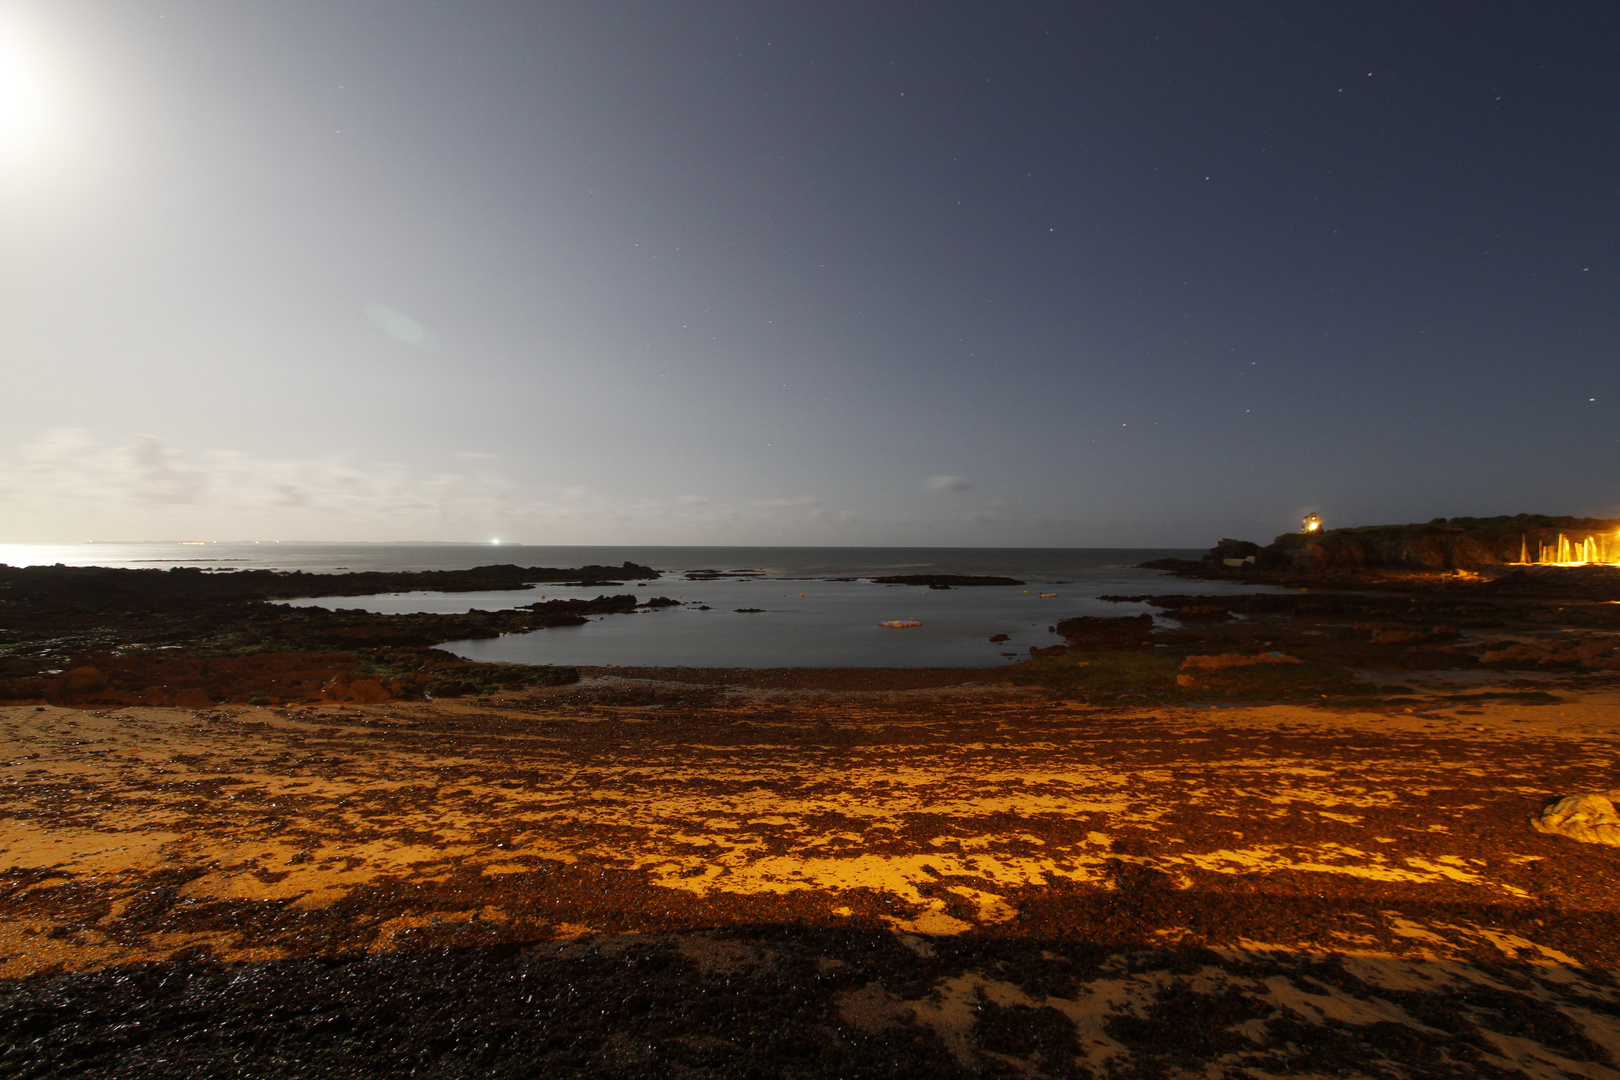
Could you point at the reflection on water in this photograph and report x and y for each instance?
(800, 623)
(803, 624)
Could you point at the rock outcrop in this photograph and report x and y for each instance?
(1232, 549)
(1109, 632)
(94, 636)
(1441, 544)
(99, 588)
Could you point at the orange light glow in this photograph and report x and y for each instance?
(1591, 550)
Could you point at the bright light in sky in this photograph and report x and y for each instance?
(68, 110)
(34, 100)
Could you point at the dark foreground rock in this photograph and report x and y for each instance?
(784, 1001)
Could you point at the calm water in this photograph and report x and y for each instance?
(805, 619)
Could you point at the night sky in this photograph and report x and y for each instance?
(993, 274)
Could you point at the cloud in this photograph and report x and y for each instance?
(66, 463)
(948, 483)
(113, 490)
(68, 485)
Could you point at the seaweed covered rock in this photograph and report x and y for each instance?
(1107, 632)
(273, 677)
(1196, 667)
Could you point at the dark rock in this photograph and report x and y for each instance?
(83, 680)
(1126, 631)
(1175, 566)
(998, 637)
(1231, 549)
(1201, 613)
(934, 580)
(171, 677)
(95, 586)
(450, 688)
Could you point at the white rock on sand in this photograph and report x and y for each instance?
(1590, 818)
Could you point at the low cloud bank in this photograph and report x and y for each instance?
(70, 486)
(67, 473)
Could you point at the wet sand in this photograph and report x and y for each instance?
(774, 875)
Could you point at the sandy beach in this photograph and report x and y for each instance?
(811, 880)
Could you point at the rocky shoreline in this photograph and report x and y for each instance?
(99, 636)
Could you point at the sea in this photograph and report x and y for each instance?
(774, 606)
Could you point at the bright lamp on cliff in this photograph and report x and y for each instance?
(1312, 523)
